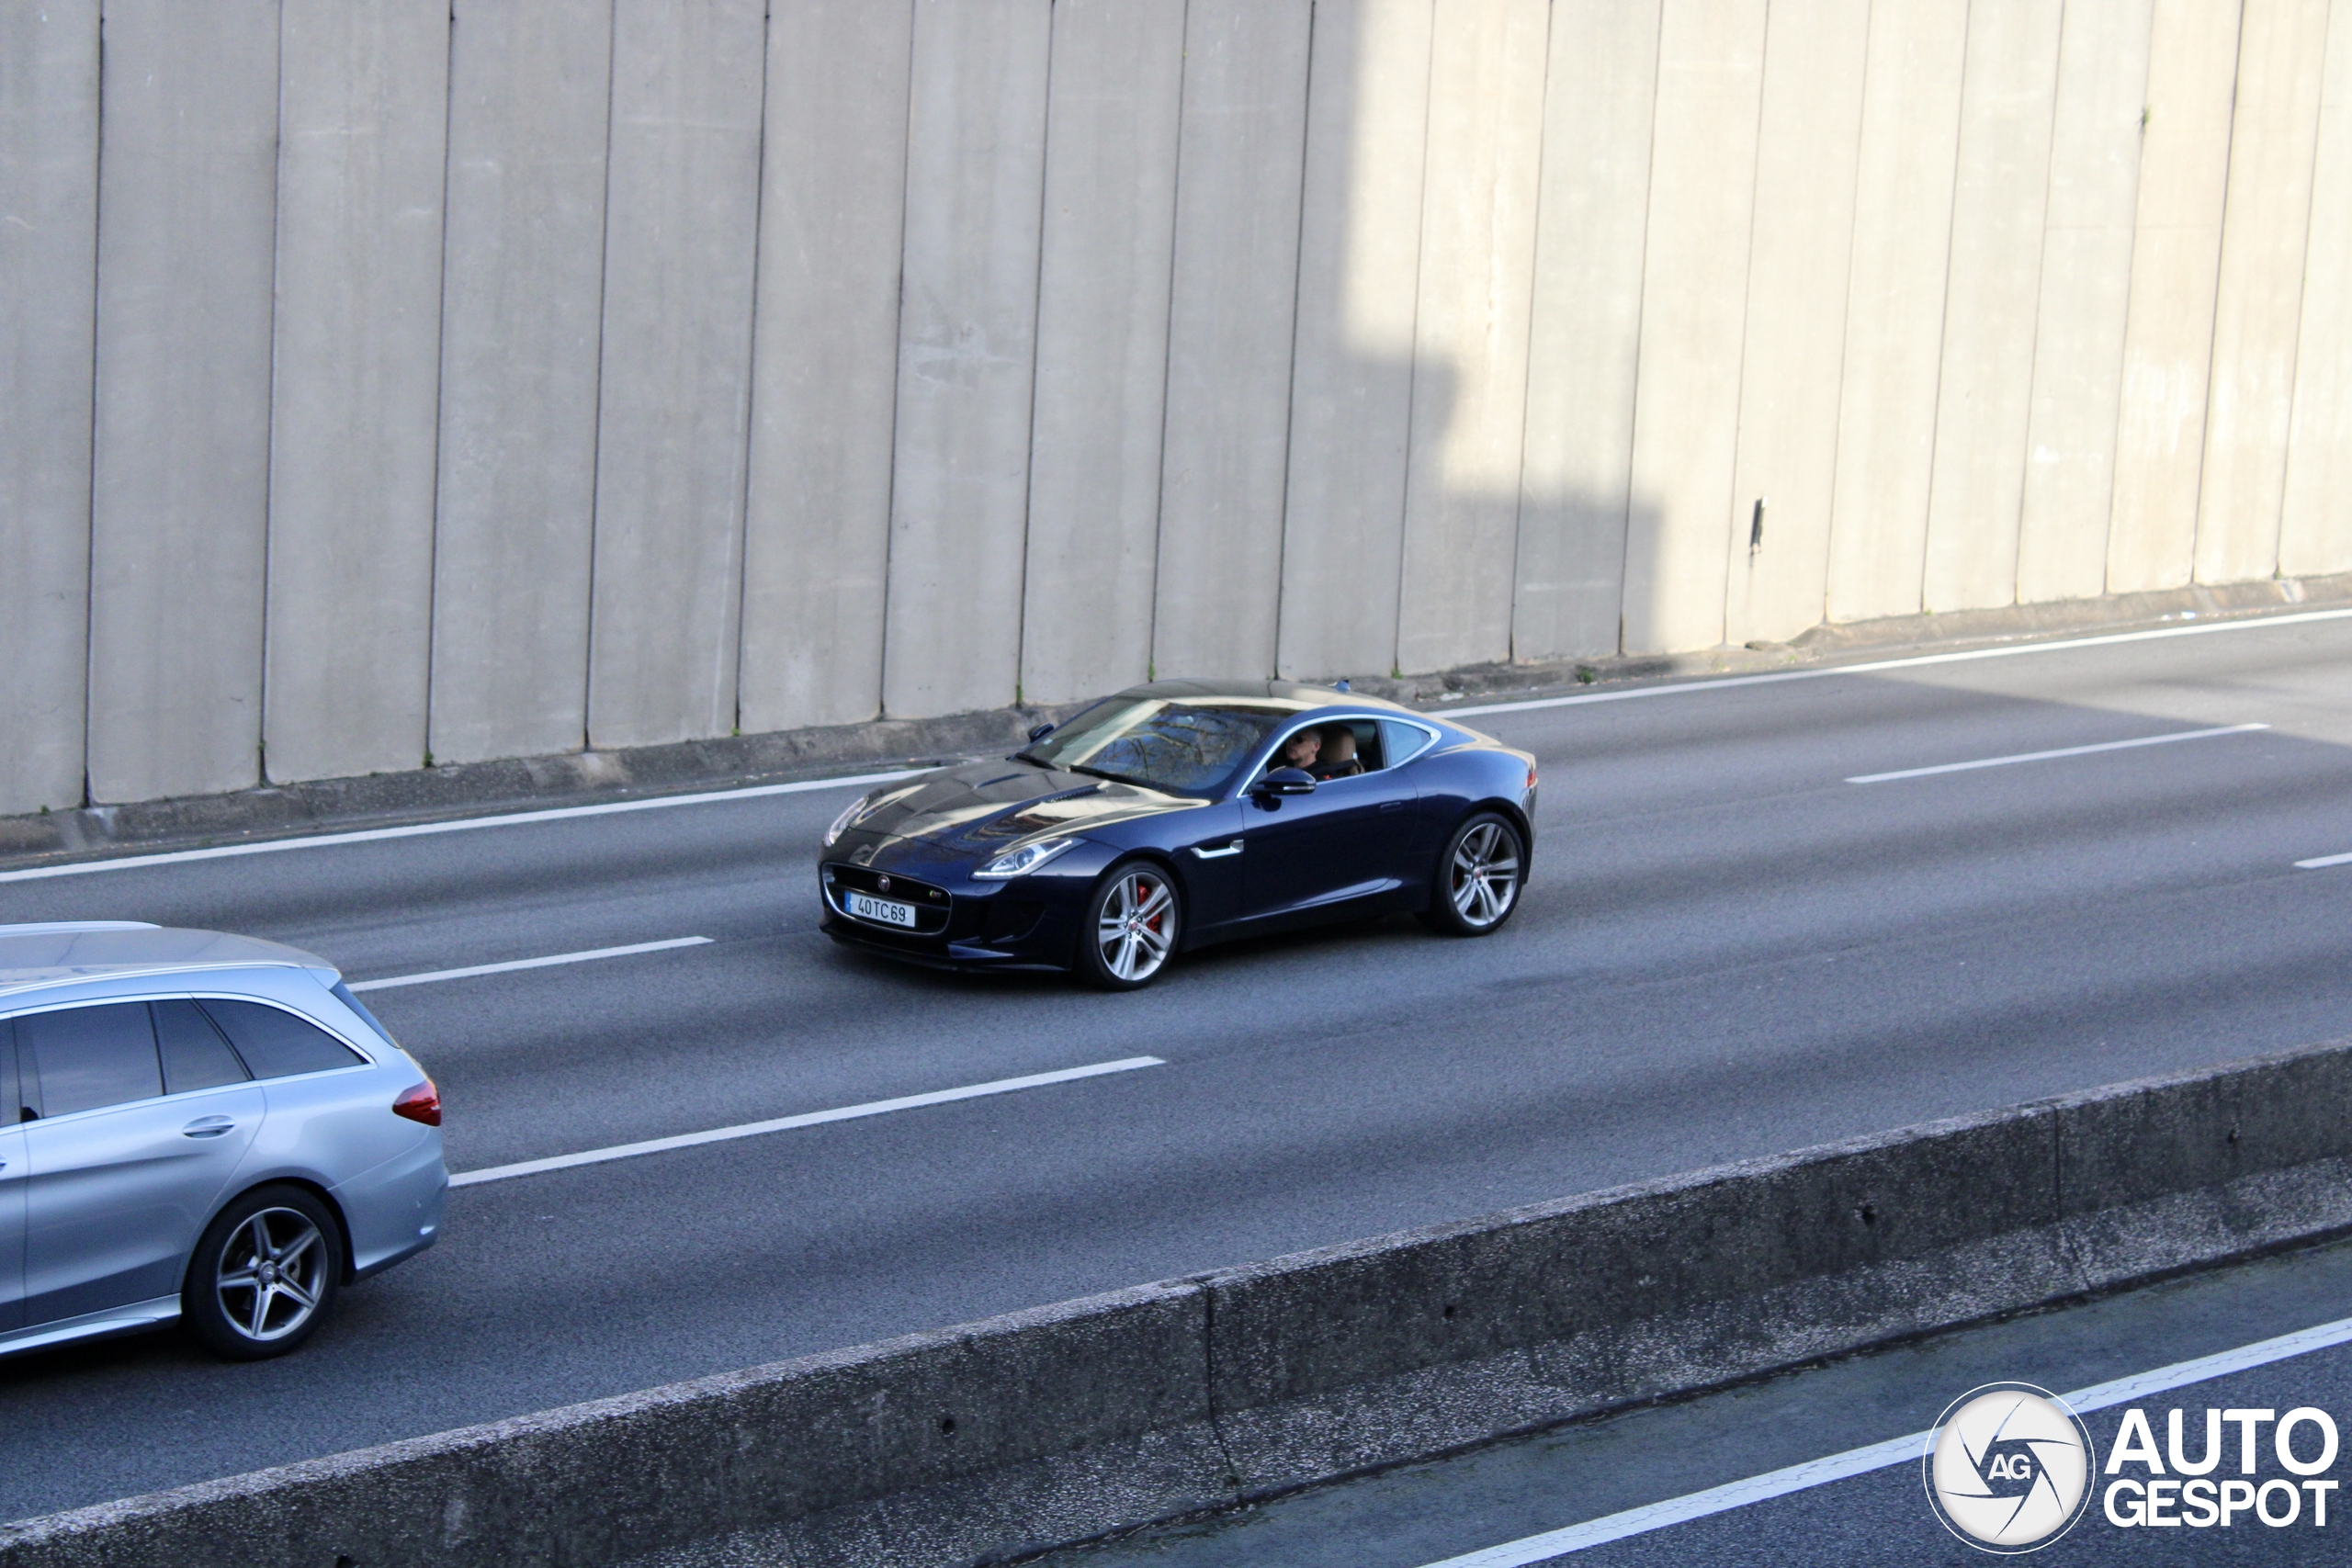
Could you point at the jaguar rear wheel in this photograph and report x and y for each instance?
(1478, 877)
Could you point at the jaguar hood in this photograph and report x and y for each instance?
(985, 809)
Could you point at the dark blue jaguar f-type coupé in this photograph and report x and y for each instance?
(1179, 814)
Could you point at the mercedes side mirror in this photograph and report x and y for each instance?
(1040, 732)
(1286, 780)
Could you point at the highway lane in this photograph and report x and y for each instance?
(1821, 1465)
(1726, 950)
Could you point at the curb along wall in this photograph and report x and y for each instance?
(1066, 1421)
(1363, 335)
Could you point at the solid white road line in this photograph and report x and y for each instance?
(1915, 661)
(461, 825)
(2061, 751)
(1878, 1456)
(547, 962)
(2322, 862)
(1697, 1506)
(809, 1119)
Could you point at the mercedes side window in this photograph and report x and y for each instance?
(277, 1044)
(18, 1108)
(85, 1059)
(343, 994)
(1403, 741)
(194, 1055)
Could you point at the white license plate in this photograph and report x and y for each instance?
(882, 909)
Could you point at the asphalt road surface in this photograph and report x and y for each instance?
(1727, 948)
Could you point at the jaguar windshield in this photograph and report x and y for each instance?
(1183, 747)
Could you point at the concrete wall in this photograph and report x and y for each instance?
(2000, 197)
(1480, 185)
(355, 397)
(522, 312)
(396, 380)
(2086, 293)
(1241, 151)
(187, 189)
(2282, 45)
(2316, 526)
(1793, 351)
(1575, 472)
(673, 391)
(1353, 372)
(967, 345)
(1102, 291)
(824, 362)
(49, 238)
(2176, 256)
(1701, 201)
(1907, 161)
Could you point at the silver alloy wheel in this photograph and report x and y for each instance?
(1138, 929)
(273, 1270)
(1484, 874)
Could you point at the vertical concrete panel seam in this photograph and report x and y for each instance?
(1641, 313)
(1527, 377)
(1527, 367)
(1168, 351)
(269, 428)
(596, 430)
(1412, 338)
(898, 372)
(90, 550)
(2213, 338)
(1746, 292)
(2040, 269)
(1290, 373)
(440, 371)
(751, 375)
(1845, 307)
(2139, 171)
(2303, 298)
(1943, 317)
(1036, 308)
(2212, 305)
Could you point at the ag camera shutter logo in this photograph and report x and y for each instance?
(2008, 1468)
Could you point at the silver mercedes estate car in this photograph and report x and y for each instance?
(200, 1127)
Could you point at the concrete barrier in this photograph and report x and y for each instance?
(984, 1442)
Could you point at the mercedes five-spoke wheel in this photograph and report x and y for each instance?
(1478, 877)
(1132, 925)
(264, 1273)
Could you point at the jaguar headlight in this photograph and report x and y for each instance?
(1025, 859)
(841, 823)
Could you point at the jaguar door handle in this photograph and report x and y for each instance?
(1392, 806)
(207, 1127)
(1205, 852)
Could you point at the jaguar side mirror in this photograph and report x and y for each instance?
(1040, 732)
(1286, 780)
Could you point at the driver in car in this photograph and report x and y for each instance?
(1298, 751)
